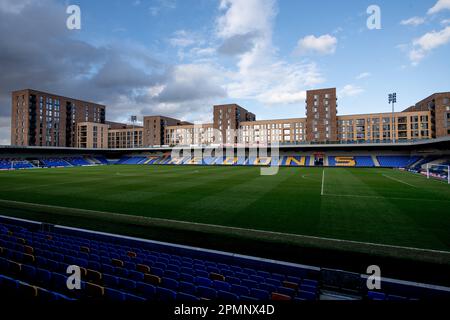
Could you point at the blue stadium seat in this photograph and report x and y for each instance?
(39, 258)
(249, 283)
(233, 280)
(201, 281)
(164, 294)
(184, 297)
(307, 295)
(127, 284)
(372, 295)
(286, 291)
(208, 293)
(259, 294)
(114, 295)
(227, 296)
(187, 287)
(221, 285)
(240, 290)
(169, 283)
(268, 287)
(187, 277)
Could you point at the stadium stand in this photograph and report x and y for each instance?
(417, 166)
(33, 264)
(397, 161)
(7, 164)
(78, 161)
(358, 161)
(412, 163)
(55, 162)
(101, 160)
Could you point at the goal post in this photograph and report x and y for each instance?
(438, 171)
(16, 162)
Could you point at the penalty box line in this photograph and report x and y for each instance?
(323, 183)
(381, 197)
(398, 180)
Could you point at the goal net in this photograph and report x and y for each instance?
(20, 164)
(438, 171)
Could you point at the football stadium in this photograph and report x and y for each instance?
(224, 158)
(149, 225)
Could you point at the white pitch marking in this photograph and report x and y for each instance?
(379, 245)
(398, 180)
(323, 181)
(381, 197)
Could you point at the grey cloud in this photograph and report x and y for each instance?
(238, 44)
(189, 90)
(37, 51)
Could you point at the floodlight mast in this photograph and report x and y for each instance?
(393, 99)
(133, 121)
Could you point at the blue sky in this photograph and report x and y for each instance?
(379, 57)
(179, 57)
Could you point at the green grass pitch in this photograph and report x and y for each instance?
(366, 205)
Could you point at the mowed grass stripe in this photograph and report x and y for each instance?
(366, 206)
(376, 222)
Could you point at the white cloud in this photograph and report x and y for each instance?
(287, 82)
(5, 123)
(350, 90)
(363, 75)
(14, 6)
(186, 79)
(183, 38)
(325, 44)
(245, 16)
(260, 73)
(428, 42)
(440, 6)
(162, 5)
(414, 21)
(445, 22)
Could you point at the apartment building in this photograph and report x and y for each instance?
(45, 119)
(438, 104)
(321, 115)
(228, 119)
(92, 135)
(128, 137)
(270, 131)
(202, 134)
(399, 126)
(155, 129)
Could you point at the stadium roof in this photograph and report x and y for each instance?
(440, 143)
